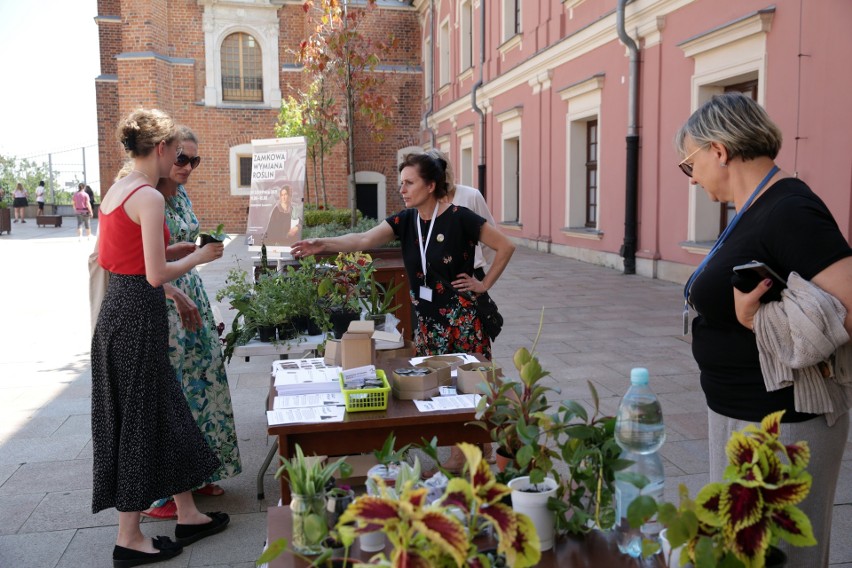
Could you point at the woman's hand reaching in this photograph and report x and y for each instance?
(188, 312)
(747, 304)
(307, 248)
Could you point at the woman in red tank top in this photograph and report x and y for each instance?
(140, 417)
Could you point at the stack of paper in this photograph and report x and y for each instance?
(301, 415)
(457, 402)
(305, 376)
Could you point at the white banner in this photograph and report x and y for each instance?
(276, 202)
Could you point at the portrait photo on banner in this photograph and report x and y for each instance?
(276, 202)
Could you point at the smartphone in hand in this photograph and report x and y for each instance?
(748, 276)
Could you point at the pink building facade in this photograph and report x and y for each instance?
(539, 117)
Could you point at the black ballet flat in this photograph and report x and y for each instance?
(187, 534)
(127, 557)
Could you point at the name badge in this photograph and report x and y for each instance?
(425, 293)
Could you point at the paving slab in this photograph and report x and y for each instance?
(46, 477)
(35, 550)
(17, 508)
(66, 510)
(92, 548)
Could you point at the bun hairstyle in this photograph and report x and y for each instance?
(431, 168)
(142, 130)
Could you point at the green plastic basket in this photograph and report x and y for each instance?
(362, 400)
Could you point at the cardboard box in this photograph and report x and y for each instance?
(332, 353)
(357, 346)
(470, 374)
(404, 352)
(445, 373)
(417, 387)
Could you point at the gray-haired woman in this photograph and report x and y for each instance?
(729, 146)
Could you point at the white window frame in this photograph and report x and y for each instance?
(427, 68)
(510, 194)
(727, 55)
(381, 190)
(444, 56)
(465, 171)
(465, 35)
(222, 18)
(234, 155)
(584, 104)
(508, 28)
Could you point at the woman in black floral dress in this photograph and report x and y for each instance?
(438, 241)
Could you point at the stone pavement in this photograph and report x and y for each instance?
(598, 325)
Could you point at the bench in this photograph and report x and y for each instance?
(45, 220)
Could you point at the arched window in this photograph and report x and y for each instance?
(242, 69)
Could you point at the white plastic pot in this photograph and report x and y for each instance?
(372, 542)
(667, 549)
(533, 504)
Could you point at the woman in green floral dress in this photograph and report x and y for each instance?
(194, 348)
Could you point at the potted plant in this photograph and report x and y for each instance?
(341, 288)
(389, 460)
(585, 443)
(217, 235)
(514, 411)
(737, 522)
(378, 300)
(443, 533)
(308, 479)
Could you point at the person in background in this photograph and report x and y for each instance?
(438, 245)
(91, 195)
(20, 203)
(471, 198)
(283, 225)
(83, 209)
(729, 147)
(194, 348)
(40, 197)
(145, 442)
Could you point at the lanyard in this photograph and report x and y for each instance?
(428, 236)
(719, 242)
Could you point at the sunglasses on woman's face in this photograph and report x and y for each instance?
(183, 160)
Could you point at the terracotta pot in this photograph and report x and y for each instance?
(503, 459)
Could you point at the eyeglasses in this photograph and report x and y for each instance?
(687, 168)
(183, 160)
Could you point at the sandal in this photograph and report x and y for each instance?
(210, 490)
(166, 512)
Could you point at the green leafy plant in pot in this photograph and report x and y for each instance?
(378, 299)
(585, 442)
(308, 479)
(736, 522)
(514, 411)
(217, 235)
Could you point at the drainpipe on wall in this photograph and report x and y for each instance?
(628, 248)
(477, 86)
(428, 113)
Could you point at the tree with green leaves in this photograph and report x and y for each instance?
(315, 117)
(340, 51)
(27, 172)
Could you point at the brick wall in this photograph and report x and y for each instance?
(174, 29)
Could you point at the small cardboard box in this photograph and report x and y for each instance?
(404, 352)
(445, 373)
(357, 346)
(471, 374)
(417, 387)
(332, 353)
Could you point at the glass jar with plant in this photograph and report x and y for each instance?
(308, 478)
(737, 522)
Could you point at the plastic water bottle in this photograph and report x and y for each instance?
(640, 431)
(639, 424)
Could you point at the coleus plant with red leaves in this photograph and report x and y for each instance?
(440, 534)
(733, 523)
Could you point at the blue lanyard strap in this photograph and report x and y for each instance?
(721, 240)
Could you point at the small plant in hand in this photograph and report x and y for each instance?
(218, 235)
(733, 523)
